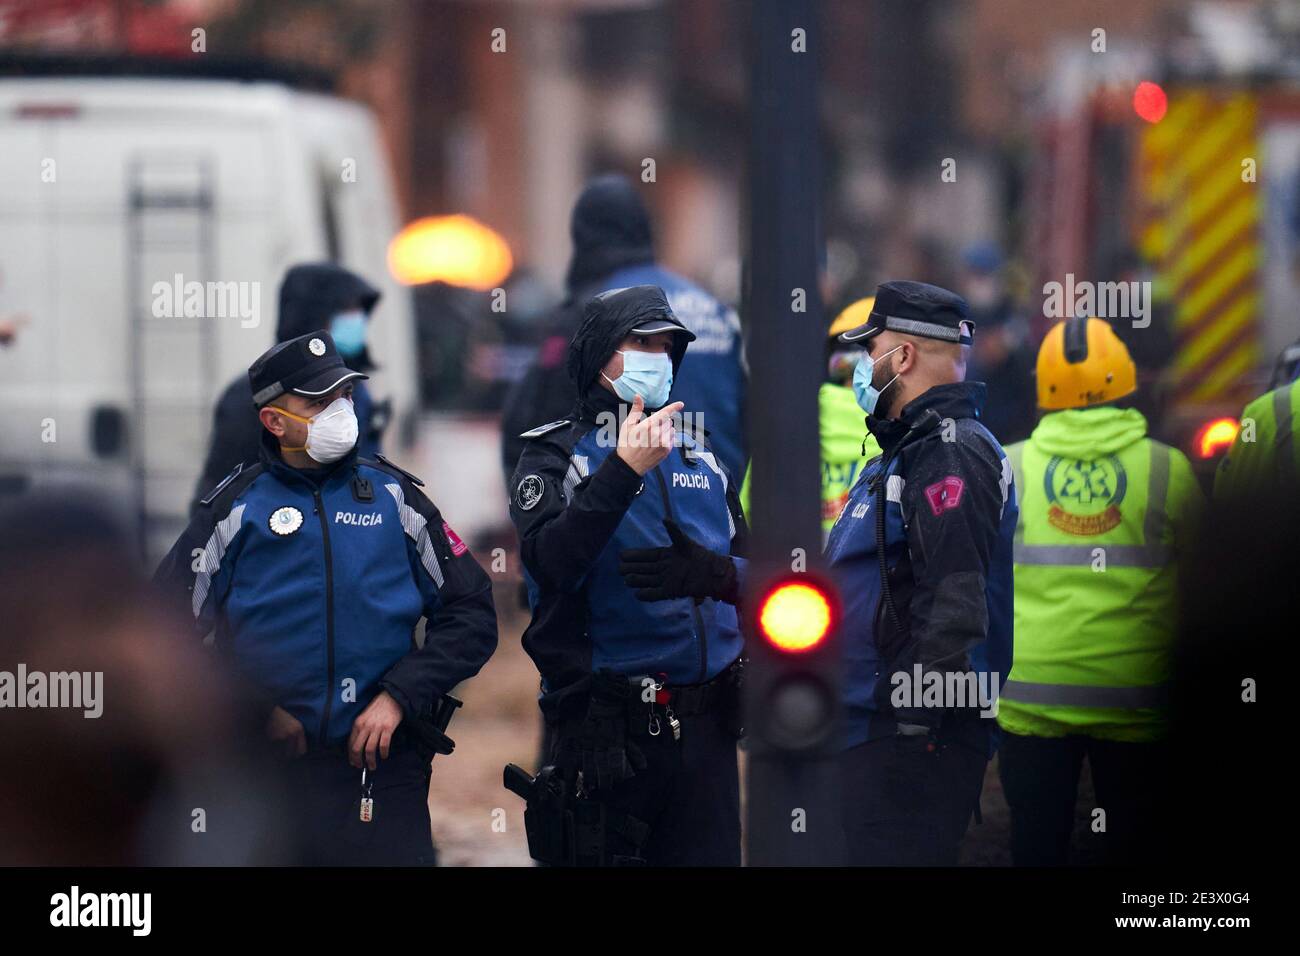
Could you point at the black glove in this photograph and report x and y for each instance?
(686, 569)
(598, 746)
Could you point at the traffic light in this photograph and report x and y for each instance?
(794, 705)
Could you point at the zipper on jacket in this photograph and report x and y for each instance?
(695, 608)
(329, 618)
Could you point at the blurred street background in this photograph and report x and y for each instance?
(437, 147)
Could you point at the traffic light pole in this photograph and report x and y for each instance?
(791, 699)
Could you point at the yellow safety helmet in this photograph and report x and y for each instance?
(854, 314)
(1082, 362)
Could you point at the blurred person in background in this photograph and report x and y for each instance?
(632, 541)
(9, 328)
(312, 296)
(846, 445)
(1287, 367)
(1094, 642)
(148, 767)
(1150, 341)
(1000, 358)
(613, 248)
(1225, 789)
(313, 567)
(1264, 461)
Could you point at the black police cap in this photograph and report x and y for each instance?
(916, 308)
(309, 365)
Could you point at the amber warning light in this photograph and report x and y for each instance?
(1215, 437)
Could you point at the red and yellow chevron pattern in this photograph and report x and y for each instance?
(1200, 222)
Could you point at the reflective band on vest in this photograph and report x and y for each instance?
(1153, 554)
(1285, 437)
(1074, 695)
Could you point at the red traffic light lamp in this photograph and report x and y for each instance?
(795, 616)
(795, 708)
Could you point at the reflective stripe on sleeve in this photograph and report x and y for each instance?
(1076, 695)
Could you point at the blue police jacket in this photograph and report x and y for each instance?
(576, 506)
(314, 582)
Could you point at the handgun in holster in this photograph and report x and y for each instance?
(565, 829)
(430, 725)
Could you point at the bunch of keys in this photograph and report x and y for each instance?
(367, 803)
(662, 697)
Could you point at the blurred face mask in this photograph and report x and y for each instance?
(349, 332)
(648, 374)
(863, 388)
(330, 434)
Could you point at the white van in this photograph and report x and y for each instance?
(111, 188)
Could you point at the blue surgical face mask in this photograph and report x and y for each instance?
(349, 332)
(866, 393)
(648, 374)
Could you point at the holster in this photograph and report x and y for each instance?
(427, 730)
(565, 829)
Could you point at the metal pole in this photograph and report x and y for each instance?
(792, 797)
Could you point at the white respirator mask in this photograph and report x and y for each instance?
(331, 433)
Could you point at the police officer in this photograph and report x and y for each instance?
(313, 567)
(613, 248)
(1103, 514)
(628, 528)
(922, 554)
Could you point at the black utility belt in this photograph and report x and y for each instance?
(688, 700)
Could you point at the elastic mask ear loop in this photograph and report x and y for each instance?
(896, 374)
(297, 418)
(602, 371)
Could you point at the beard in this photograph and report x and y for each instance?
(882, 379)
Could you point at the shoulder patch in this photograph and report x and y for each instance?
(529, 492)
(541, 430)
(247, 471)
(397, 468)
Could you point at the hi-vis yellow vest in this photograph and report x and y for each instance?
(1266, 454)
(1103, 510)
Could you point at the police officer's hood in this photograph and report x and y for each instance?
(606, 321)
(312, 293)
(610, 229)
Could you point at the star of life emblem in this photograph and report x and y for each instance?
(286, 520)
